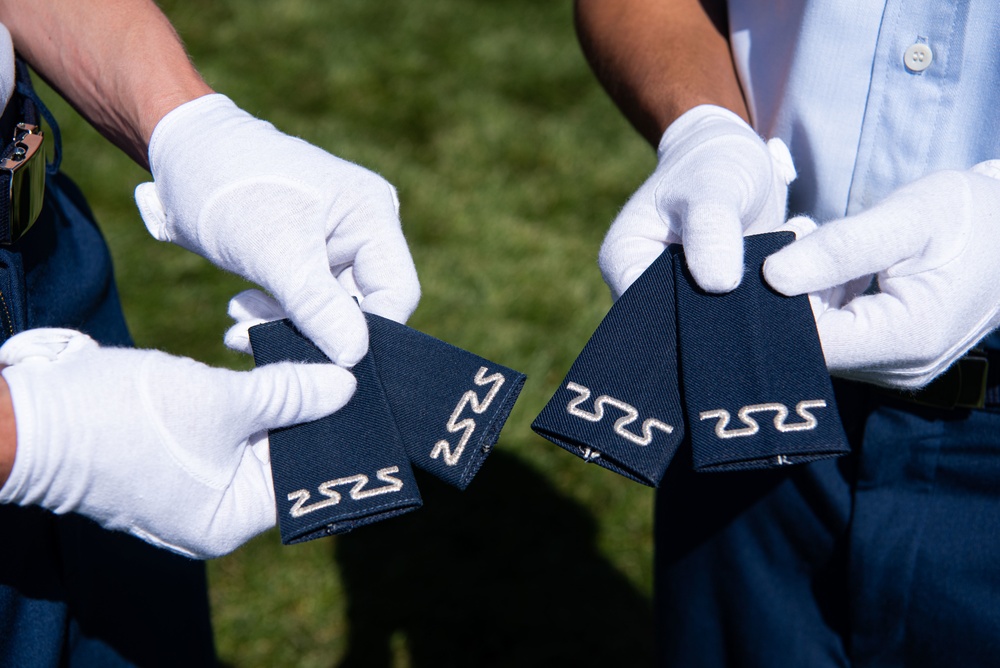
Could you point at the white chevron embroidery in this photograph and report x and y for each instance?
(358, 491)
(631, 415)
(752, 427)
(442, 447)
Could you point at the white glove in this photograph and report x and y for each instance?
(934, 247)
(716, 181)
(249, 308)
(283, 214)
(152, 444)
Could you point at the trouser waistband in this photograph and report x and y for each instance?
(973, 382)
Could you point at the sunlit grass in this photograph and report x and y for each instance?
(510, 162)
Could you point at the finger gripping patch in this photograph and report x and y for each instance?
(619, 406)
(757, 393)
(419, 400)
(342, 471)
(741, 376)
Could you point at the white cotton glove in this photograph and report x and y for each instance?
(716, 181)
(303, 224)
(162, 447)
(933, 246)
(249, 308)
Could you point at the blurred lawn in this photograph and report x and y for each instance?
(510, 162)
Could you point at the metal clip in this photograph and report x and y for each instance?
(26, 165)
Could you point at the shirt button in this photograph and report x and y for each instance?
(918, 57)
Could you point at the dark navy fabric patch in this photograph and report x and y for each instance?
(756, 389)
(342, 471)
(449, 404)
(620, 406)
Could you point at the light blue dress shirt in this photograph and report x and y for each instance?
(870, 95)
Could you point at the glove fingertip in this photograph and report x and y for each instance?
(350, 357)
(781, 275)
(800, 226)
(622, 260)
(290, 393)
(393, 306)
(719, 284)
(237, 337)
(717, 272)
(336, 385)
(343, 336)
(782, 159)
(620, 279)
(254, 304)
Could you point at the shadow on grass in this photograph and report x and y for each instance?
(506, 573)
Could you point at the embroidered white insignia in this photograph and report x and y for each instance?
(752, 427)
(631, 415)
(358, 491)
(442, 448)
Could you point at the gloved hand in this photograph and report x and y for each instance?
(716, 181)
(153, 444)
(249, 308)
(284, 214)
(933, 247)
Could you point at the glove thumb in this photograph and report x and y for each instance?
(279, 395)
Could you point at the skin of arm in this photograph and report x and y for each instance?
(8, 432)
(121, 65)
(659, 58)
(118, 62)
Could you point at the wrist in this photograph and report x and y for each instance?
(185, 123)
(162, 103)
(8, 432)
(16, 398)
(701, 120)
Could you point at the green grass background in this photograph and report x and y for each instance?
(510, 162)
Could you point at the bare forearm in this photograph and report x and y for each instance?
(8, 432)
(657, 59)
(118, 62)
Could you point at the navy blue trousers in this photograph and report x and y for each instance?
(72, 594)
(889, 556)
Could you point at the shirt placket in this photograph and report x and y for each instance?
(916, 59)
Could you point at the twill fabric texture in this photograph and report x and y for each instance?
(449, 404)
(418, 400)
(628, 369)
(756, 389)
(739, 377)
(316, 465)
